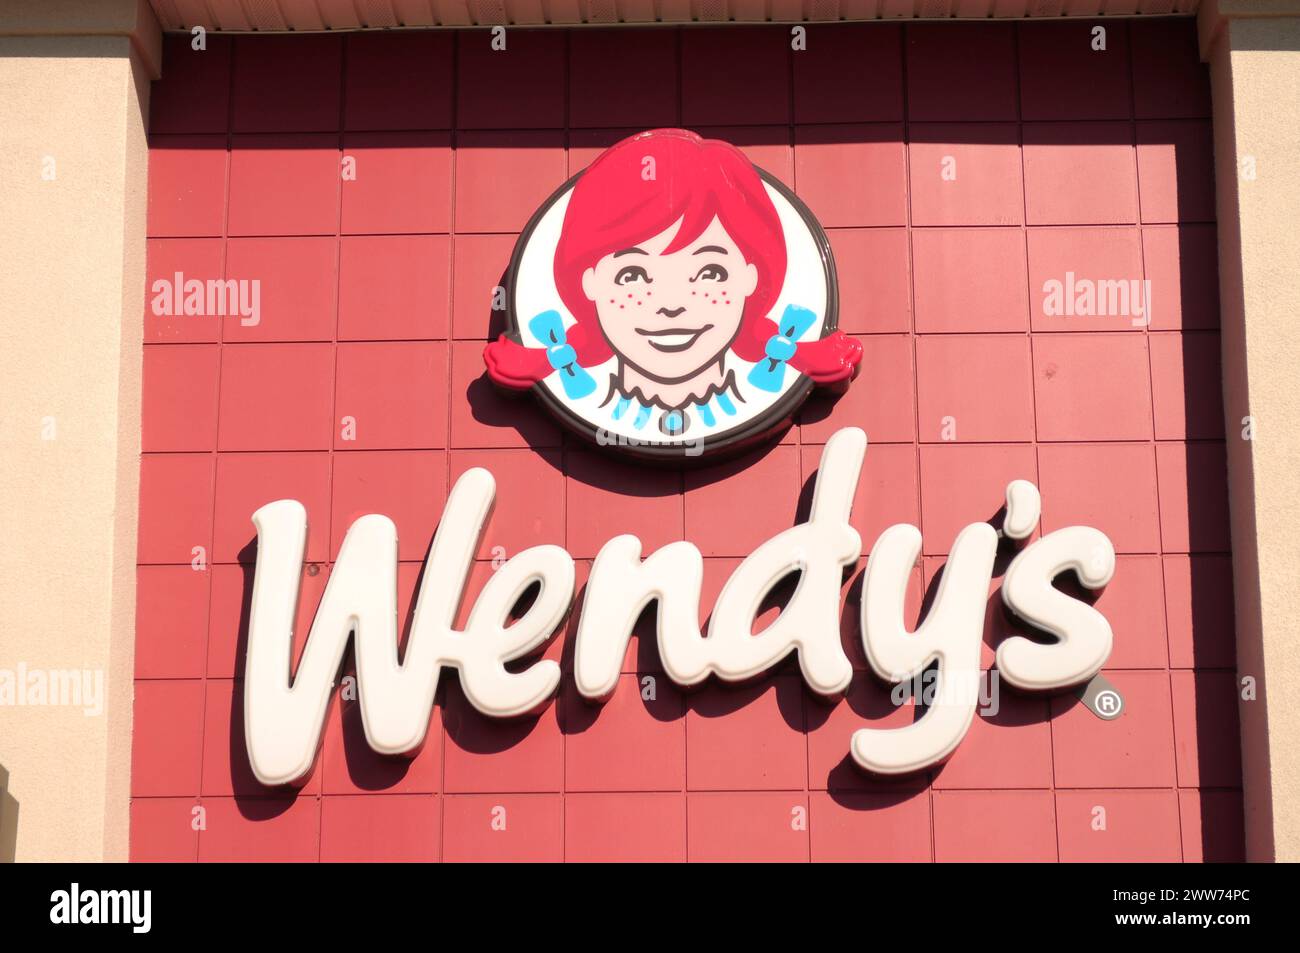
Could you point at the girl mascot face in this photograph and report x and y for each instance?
(670, 258)
(670, 310)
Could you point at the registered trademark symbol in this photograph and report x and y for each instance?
(1108, 704)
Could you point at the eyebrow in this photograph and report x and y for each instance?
(717, 248)
(631, 251)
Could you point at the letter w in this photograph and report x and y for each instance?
(283, 717)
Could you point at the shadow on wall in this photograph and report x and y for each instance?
(8, 820)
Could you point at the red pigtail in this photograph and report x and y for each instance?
(834, 358)
(512, 365)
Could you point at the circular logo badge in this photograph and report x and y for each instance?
(672, 301)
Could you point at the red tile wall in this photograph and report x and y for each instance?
(375, 305)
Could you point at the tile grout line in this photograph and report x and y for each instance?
(335, 699)
(903, 35)
(1046, 709)
(453, 144)
(1155, 444)
(216, 435)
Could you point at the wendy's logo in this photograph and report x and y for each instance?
(672, 300)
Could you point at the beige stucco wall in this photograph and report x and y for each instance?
(1255, 75)
(71, 301)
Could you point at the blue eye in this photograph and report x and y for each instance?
(632, 274)
(711, 273)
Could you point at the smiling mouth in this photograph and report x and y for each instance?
(673, 340)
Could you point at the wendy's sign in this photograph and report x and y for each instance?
(672, 300)
(284, 713)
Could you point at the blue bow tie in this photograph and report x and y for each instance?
(548, 327)
(769, 373)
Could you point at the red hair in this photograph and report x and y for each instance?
(639, 188)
